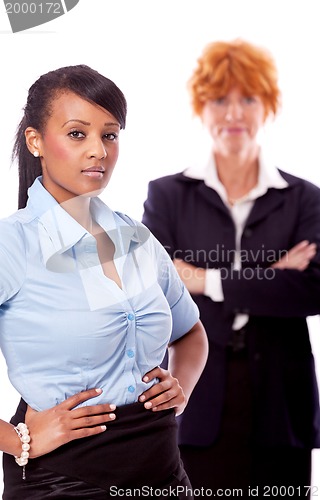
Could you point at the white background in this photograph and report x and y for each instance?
(149, 48)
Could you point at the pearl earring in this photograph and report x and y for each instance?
(36, 154)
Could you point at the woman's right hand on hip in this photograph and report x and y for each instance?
(61, 424)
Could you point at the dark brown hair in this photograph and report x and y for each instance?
(80, 79)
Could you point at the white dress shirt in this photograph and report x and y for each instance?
(268, 177)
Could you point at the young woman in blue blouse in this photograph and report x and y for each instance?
(90, 301)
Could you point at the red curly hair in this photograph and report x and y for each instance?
(238, 63)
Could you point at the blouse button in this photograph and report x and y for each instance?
(130, 353)
(130, 316)
(131, 388)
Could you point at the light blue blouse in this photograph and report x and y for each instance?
(66, 327)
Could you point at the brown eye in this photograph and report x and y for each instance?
(76, 134)
(220, 101)
(111, 137)
(249, 99)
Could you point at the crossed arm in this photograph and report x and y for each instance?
(297, 258)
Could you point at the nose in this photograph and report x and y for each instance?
(97, 149)
(234, 111)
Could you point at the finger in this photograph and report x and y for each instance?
(164, 406)
(92, 421)
(167, 398)
(80, 397)
(300, 247)
(305, 256)
(103, 408)
(156, 372)
(306, 250)
(296, 255)
(312, 250)
(86, 432)
(160, 393)
(151, 393)
(87, 411)
(158, 388)
(313, 245)
(302, 244)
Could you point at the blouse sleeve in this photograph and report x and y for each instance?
(184, 311)
(12, 260)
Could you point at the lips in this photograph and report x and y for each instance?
(94, 172)
(93, 169)
(235, 130)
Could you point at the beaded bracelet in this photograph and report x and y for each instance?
(23, 433)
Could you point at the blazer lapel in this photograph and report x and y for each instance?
(265, 204)
(212, 197)
(261, 208)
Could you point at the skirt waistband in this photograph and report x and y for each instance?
(139, 448)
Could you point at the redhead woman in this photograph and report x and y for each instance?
(244, 236)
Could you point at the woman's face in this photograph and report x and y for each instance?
(78, 149)
(233, 122)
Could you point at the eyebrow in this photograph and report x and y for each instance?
(88, 123)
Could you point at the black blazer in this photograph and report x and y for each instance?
(193, 223)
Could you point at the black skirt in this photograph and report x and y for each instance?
(137, 455)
